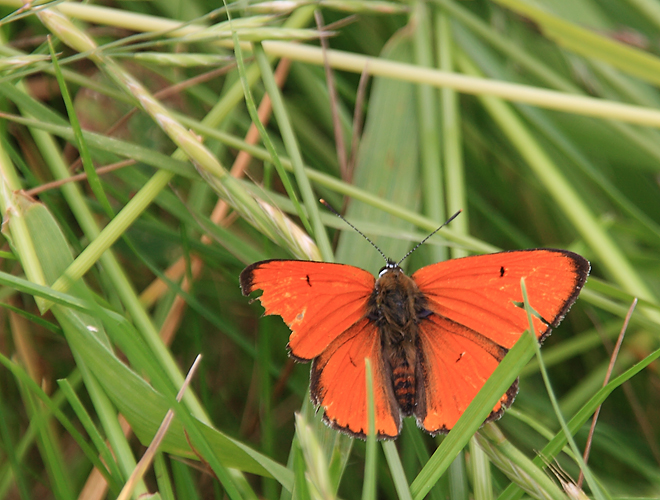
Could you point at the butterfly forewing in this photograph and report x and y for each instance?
(317, 300)
(483, 292)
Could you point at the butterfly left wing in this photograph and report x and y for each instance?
(317, 300)
(339, 383)
(325, 305)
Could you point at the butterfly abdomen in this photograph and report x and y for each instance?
(403, 381)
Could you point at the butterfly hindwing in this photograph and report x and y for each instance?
(338, 383)
(455, 363)
(317, 300)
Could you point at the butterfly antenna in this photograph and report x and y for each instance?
(426, 239)
(327, 205)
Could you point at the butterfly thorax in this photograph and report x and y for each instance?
(397, 306)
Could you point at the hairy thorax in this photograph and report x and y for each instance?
(398, 306)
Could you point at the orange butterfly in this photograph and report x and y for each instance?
(433, 338)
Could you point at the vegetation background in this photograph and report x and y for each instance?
(538, 119)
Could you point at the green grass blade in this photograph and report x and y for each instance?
(370, 462)
(92, 176)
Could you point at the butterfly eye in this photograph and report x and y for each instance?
(382, 271)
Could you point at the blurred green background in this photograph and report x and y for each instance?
(538, 119)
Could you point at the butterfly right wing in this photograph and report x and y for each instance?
(455, 362)
(319, 301)
(475, 316)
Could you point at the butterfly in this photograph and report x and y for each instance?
(433, 338)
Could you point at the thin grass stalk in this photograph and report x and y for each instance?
(458, 481)
(432, 184)
(52, 405)
(163, 479)
(254, 115)
(105, 410)
(48, 442)
(370, 462)
(613, 358)
(81, 144)
(297, 463)
(267, 427)
(12, 208)
(90, 428)
(316, 465)
(69, 76)
(12, 468)
(147, 458)
(49, 447)
(439, 490)
(456, 196)
(482, 484)
(396, 470)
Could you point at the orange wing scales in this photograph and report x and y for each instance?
(338, 383)
(480, 292)
(456, 362)
(317, 300)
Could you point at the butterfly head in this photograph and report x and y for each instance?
(390, 266)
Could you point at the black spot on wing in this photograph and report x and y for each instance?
(502, 271)
(307, 278)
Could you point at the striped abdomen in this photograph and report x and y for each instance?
(403, 381)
